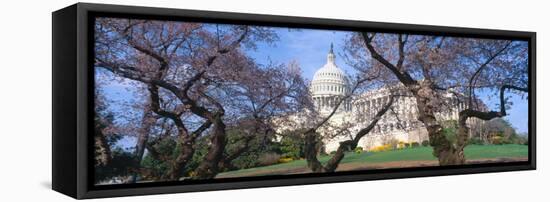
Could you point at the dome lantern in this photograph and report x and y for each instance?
(331, 57)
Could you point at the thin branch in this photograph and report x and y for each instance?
(478, 71)
(467, 113)
(404, 77)
(155, 106)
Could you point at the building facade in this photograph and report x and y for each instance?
(330, 84)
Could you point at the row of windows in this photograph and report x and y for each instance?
(329, 88)
(396, 126)
(331, 104)
(332, 74)
(325, 80)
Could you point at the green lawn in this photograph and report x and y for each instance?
(472, 152)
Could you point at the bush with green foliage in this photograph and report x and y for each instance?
(236, 140)
(414, 144)
(425, 143)
(516, 139)
(476, 141)
(292, 146)
(121, 163)
(499, 139)
(167, 147)
(501, 131)
(260, 144)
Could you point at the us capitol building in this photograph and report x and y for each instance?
(330, 83)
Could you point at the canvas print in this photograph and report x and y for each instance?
(192, 101)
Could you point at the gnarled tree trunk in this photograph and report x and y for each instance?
(443, 149)
(426, 99)
(310, 151)
(208, 168)
(147, 123)
(311, 141)
(186, 154)
(102, 150)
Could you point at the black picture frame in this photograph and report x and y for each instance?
(72, 70)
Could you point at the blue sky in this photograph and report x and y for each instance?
(309, 48)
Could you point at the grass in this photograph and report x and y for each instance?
(472, 152)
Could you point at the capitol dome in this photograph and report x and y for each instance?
(329, 79)
(329, 82)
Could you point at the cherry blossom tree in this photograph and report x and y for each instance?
(198, 77)
(430, 66)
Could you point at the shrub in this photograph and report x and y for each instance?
(498, 140)
(268, 159)
(292, 146)
(236, 139)
(415, 144)
(381, 148)
(192, 173)
(165, 147)
(475, 141)
(358, 150)
(394, 143)
(285, 160)
(121, 163)
(246, 160)
(425, 143)
(518, 139)
(401, 145)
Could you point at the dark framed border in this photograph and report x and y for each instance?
(73, 91)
